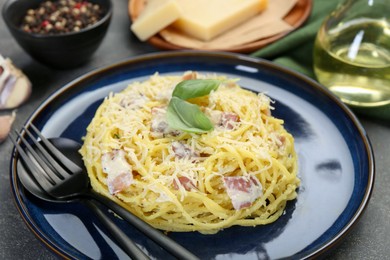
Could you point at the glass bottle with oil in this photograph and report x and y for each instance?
(352, 53)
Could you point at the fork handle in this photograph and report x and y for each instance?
(164, 241)
(120, 237)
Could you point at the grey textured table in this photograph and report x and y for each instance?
(370, 238)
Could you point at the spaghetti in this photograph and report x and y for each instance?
(242, 172)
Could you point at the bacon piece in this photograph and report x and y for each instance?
(183, 150)
(190, 75)
(159, 125)
(222, 119)
(243, 191)
(228, 119)
(118, 170)
(118, 183)
(134, 101)
(185, 182)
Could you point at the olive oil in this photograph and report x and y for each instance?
(353, 61)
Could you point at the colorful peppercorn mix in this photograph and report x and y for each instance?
(62, 16)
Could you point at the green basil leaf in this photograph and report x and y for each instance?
(193, 88)
(187, 117)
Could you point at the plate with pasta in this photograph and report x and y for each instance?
(232, 157)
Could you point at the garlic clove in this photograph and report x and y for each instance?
(6, 122)
(15, 87)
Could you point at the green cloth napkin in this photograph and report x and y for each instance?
(296, 49)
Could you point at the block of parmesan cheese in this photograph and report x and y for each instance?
(205, 19)
(156, 15)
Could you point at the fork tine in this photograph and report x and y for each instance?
(59, 170)
(39, 175)
(47, 171)
(65, 161)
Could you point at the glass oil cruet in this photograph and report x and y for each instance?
(352, 53)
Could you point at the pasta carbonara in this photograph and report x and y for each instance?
(242, 172)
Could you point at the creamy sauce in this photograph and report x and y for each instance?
(118, 170)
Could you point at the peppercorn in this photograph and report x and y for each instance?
(62, 16)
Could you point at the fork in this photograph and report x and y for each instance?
(36, 189)
(63, 179)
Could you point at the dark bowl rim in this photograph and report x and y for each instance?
(103, 20)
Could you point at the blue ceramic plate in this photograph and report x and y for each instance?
(336, 164)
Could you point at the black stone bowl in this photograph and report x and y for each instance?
(61, 51)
